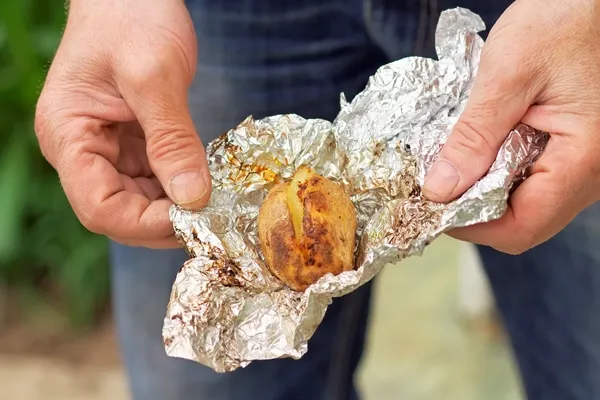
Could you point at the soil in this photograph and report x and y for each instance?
(43, 358)
(97, 347)
(44, 332)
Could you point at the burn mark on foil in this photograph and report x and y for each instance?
(228, 272)
(378, 150)
(234, 156)
(243, 170)
(410, 219)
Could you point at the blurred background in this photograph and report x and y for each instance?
(433, 335)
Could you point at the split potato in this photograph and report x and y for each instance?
(307, 228)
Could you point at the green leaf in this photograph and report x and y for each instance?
(41, 239)
(14, 178)
(22, 48)
(84, 277)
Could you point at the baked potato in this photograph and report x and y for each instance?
(307, 228)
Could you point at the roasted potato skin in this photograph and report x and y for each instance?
(321, 242)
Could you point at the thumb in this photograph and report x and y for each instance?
(497, 102)
(174, 149)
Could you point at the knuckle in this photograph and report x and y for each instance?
(500, 60)
(522, 242)
(506, 71)
(515, 238)
(505, 79)
(472, 138)
(84, 199)
(514, 78)
(170, 143)
(87, 214)
(512, 247)
(98, 217)
(41, 122)
(91, 223)
(514, 250)
(166, 62)
(145, 72)
(499, 52)
(42, 125)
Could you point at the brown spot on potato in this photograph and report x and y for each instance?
(281, 254)
(301, 189)
(279, 238)
(317, 201)
(313, 229)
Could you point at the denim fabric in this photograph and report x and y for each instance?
(549, 298)
(265, 57)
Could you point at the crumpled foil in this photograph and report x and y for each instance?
(226, 308)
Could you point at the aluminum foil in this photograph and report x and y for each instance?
(226, 309)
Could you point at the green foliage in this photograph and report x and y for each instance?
(43, 247)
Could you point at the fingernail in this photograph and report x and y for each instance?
(188, 187)
(441, 180)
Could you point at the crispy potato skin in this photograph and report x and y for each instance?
(321, 241)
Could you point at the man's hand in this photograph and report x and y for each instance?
(113, 118)
(541, 65)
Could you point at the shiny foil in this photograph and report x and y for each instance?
(226, 309)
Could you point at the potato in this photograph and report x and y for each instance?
(307, 228)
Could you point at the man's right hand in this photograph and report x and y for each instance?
(113, 119)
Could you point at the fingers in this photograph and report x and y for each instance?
(147, 187)
(100, 197)
(157, 95)
(498, 100)
(542, 206)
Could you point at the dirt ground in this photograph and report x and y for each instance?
(45, 361)
(41, 358)
(36, 378)
(96, 347)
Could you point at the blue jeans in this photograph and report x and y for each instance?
(281, 56)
